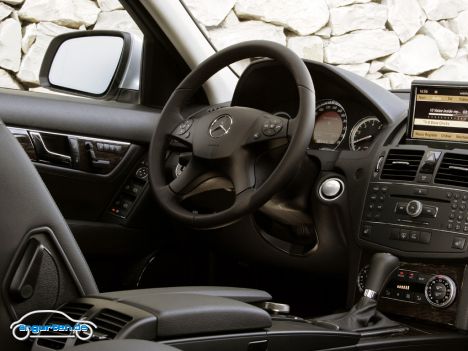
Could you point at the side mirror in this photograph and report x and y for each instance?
(99, 64)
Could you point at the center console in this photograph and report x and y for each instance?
(416, 207)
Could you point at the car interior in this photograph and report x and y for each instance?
(313, 211)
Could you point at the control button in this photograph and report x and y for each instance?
(373, 197)
(425, 178)
(420, 191)
(407, 296)
(401, 207)
(366, 231)
(272, 127)
(449, 195)
(384, 189)
(387, 293)
(395, 234)
(419, 298)
(425, 237)
(401, 274)
(457, 227)
(452, 216)
(414, 208)
(458, 243)
(412, 276)
(414, 236)
(332, 188)
(100, 146)
(463, 207)
(429, 211)
(454, 205)
(449, 226)
(422, 278)
(404, 234)
(456, 195)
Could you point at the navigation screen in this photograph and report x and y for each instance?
(439, 113)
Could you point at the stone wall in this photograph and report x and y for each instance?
(28, 26)
(390, 42)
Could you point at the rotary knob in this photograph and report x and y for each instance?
(440, 291)
(414, 208)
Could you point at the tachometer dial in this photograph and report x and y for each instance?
(331, 123)
(364, 132)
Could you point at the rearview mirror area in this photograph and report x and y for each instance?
(99, 64)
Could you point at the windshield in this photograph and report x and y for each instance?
(390, 42)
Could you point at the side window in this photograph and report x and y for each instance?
(28, 26)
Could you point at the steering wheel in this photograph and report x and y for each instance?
(223, 139)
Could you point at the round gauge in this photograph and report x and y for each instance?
(331, 124)
(364, 132)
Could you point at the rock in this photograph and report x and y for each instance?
(325, 32)
(399, 80)
(117, 20)
(52, 29)
(374, 76)
(361, 46)
(309, 47)
(383, 82)
(446, 40)
(417, 56)
(303, 17)
(13, 2)
(29, 36)
(437, 10)
(210, 13)
(249, 30)
(360, 69)
(110, 5)
(230, 20)
(5, 11)
(10, 44)
(361, 16)
(459, 25)
(70, 13)
(32, 61)
(7, 81)
(405, 17)
(338, 3)
(455, 69)
(376, 66)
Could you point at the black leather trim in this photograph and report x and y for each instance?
(191, 314)
(239, 294)
(123, 345)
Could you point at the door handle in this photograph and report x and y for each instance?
(44, 154)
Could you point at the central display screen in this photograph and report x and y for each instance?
(439, 112)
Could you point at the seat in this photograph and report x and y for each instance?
(41, 265)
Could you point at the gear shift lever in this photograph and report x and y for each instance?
(381, 267)
(364, 317)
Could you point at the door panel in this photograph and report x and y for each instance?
(92, 156)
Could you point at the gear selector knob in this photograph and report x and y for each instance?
(381, 267)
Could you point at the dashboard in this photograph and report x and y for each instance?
(344, 118)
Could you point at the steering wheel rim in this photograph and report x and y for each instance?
(216, 149)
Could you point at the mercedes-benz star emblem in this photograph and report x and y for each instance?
(220, 126)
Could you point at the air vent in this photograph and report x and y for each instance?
(453, 170)
(75, 311)
(402, 164)
(109, 323)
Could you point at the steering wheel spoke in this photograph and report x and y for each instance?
(241, 171)
(268, 127)
(187, 179)
(183, 133)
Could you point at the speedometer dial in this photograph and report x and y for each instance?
(331, 124)
(364, 132)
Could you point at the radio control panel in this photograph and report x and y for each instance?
(416, 218)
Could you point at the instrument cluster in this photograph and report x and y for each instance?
(336, 128)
